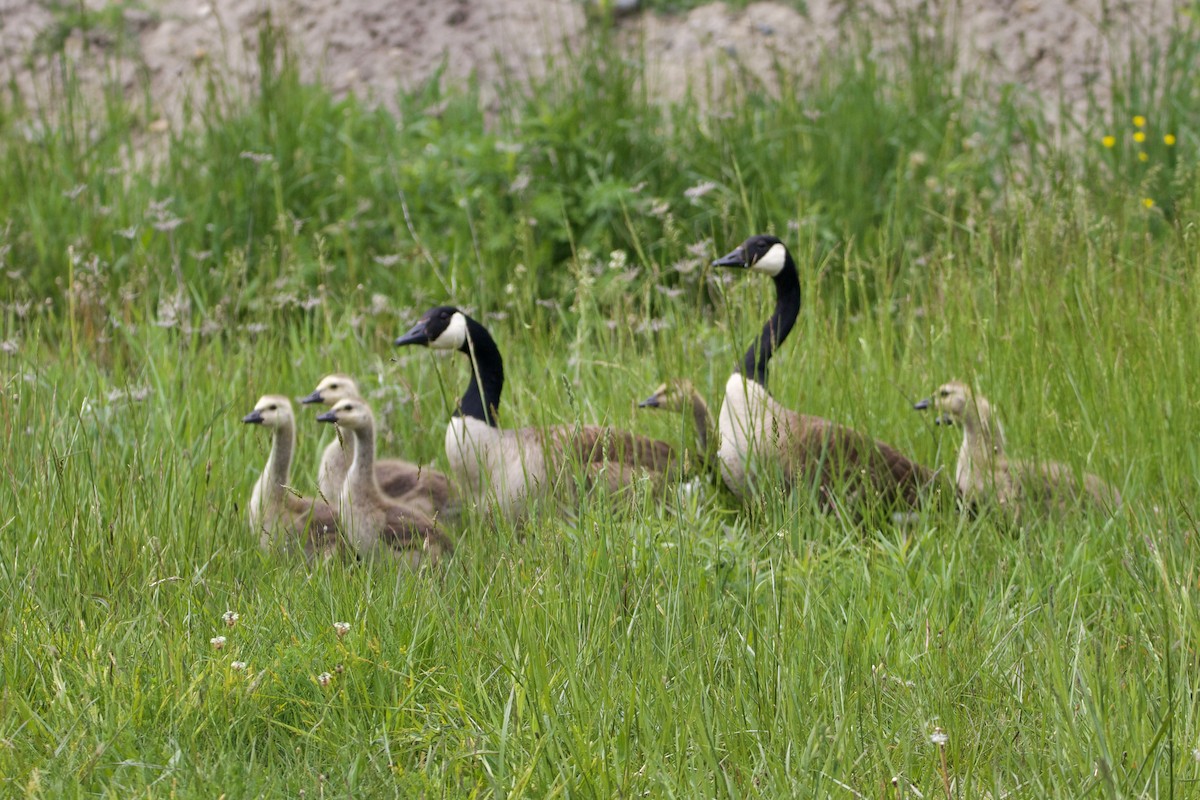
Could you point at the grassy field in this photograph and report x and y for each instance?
(686, 648)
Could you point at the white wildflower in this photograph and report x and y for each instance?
(698, 191)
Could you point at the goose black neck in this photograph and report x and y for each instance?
(482, 398)
(777, 328)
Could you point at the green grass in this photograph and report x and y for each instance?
(682, 649)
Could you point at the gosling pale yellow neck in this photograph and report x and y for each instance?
(361, 480)
(982, 445)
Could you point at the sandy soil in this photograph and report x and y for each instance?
(375, 47)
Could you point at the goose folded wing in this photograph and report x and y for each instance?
(397, 478)
(315, 518)
(596, 444)
(839, 455)
(405, 530)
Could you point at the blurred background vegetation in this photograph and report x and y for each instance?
(873, 171)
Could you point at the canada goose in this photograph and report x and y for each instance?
(679, 395)
(374, 522)
(277, 514)
(513, 466)
(420, 488)
(983, 472)
(756, 432)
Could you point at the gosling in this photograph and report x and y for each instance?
(984, 474)
(680, 396)
(376, 524)
(417, 487)
(279, 515)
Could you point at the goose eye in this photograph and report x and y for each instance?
(272, 407)
(944, 393)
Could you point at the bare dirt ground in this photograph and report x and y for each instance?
(376, 47)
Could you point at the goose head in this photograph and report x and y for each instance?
(271, 411)
(350, 413)
(674, 395)
(440, 328)
(763, 253)
(951, 401)
(331, 389)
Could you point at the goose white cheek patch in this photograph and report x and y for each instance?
(454, 336)
(771, 263)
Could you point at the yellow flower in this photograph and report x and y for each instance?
(1147, 202)
(1139, 137)
(1169, 140)
(1139, 121)
(1108, 141)
(1143, 156)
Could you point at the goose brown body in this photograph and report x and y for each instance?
(376, 524)
(764, 445)
(985, 474)
(280, 517)
(509, 469)
(418, 487)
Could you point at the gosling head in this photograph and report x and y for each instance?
(674, 395)
(271, 411)
(351, 413)
(331, 389)
(951, 401)
(441, 328)
(762, 253)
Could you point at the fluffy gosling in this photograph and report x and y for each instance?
(375, 523)
(279, 515)
(418, 487)
(985, 474)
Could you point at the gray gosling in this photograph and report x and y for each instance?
(507, 469)
(420, 488)
(680, 396)
(984, 474)
(280, 516)
(375, 523)
(758, 434)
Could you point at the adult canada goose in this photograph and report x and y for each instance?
(277, 514)
(421, 488)
(375, 523)
(759, 436)
(679, 395)
(984, 473)
(513, 466)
